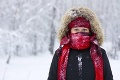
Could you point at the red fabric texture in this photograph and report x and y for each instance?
(95, 56)
(97, 60)
(79, 22)
(80, 41)
(62, 63)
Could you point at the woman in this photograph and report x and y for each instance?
(80, 56)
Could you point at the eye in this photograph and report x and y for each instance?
(76, 29)
(85, 30)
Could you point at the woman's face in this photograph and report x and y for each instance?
(79, 29)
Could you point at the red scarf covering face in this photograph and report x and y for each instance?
(95, 52)
(81, 38)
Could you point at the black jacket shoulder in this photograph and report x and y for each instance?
(107, 69)
(53, 68)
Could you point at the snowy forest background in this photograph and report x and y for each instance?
(29, 27)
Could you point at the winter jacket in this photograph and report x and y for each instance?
(73, 72)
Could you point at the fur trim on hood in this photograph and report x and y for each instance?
(81, 12)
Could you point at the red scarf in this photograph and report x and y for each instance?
(66, 44)
(95, 55)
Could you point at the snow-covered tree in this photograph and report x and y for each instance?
(28, 27)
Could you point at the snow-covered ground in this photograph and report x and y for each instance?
(37, 68)
(27, 68)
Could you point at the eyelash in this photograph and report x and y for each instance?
(84, 30)
(76, 29)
